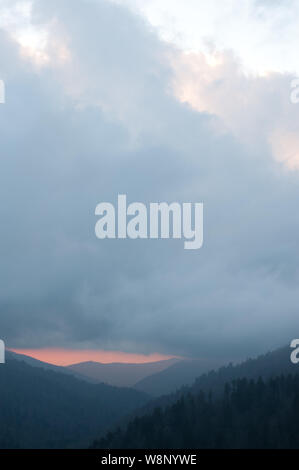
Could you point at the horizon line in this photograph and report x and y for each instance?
(66, 357)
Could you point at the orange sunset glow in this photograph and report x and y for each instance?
(65, 357)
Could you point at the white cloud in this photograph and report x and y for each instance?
(256, 109)
(262, 34)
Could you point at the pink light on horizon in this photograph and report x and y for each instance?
(65, 357)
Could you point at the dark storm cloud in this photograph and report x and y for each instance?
(103, 123)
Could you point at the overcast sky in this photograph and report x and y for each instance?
(162, 101)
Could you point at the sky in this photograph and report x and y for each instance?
(162, 101)
(66, 357)
(262, 33)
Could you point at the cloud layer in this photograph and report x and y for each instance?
(101, 116)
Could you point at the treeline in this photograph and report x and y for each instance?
(248, 414)
(272, 364)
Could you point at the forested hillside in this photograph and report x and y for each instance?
(44, 409)
(271, 364)
(249, 414)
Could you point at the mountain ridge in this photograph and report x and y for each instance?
(270, 364)
(120, 374)
(43, 408)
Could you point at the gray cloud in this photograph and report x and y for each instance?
(103, 123)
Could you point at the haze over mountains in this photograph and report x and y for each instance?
(252, 404)
(44, 406)
(169, 376)
(266, 366)
(120, 374)
(154, 378)
(174, 377)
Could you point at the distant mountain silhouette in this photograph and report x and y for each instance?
(40, 408)
(45, 365)
(32, 362)
(174, 377)
(119, 374)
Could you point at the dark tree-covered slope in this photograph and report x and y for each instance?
(271, 364)
(248, 414)
(44, 409)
